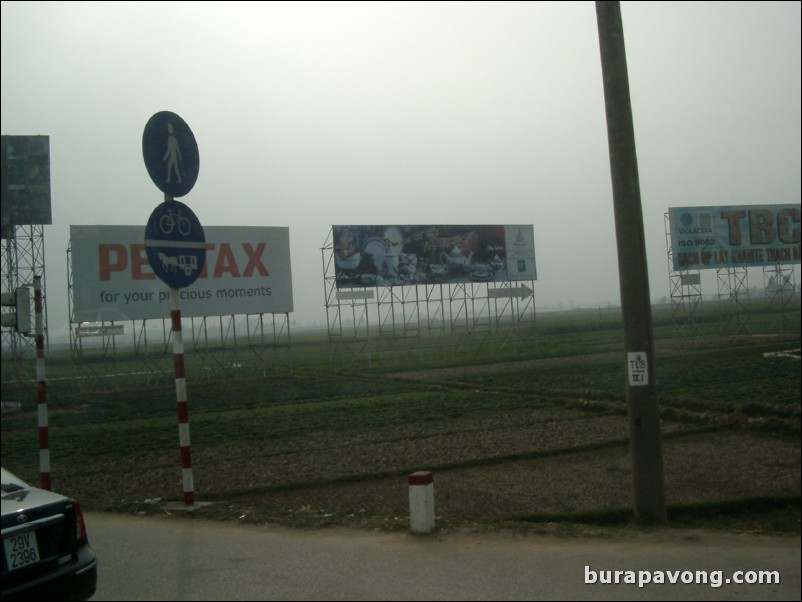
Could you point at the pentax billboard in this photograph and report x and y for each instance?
(409, 255)
(732, 236)
(247, 271)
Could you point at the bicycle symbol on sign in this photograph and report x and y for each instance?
(173, 219)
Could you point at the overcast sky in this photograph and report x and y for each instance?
(313, 114)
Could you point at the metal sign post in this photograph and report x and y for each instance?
(41, 389)
(175, 245)
(181, 398)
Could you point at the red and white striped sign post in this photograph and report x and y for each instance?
(41, 388)
(181, 397)
(176, 250)
(175, 245)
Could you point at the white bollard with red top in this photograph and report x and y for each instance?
(421, 502)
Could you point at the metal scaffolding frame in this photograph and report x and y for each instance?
(685, 287)
(733, 298)
(780, 287)
(23, 257)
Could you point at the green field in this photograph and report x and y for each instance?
(521, 429)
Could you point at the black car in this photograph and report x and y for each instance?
(46, 553)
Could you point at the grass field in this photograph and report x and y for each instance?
(524, 431)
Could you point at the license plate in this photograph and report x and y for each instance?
(21, 550)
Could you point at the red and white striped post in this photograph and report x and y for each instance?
(41, 389)
(181, 397)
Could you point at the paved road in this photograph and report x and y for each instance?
(182, 558)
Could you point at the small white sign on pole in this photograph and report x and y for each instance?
(638, 369)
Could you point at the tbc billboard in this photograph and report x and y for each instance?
(405, 255)
(247, 271)
(734, 236)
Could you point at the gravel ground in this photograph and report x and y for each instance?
(527, 468)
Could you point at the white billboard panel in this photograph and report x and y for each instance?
(408, 255)
(247, 272)
(734, 236)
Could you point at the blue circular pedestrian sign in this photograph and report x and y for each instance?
(170, 153)
(175, 244)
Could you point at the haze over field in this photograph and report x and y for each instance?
(312, 114)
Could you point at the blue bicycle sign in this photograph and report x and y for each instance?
(175, 244)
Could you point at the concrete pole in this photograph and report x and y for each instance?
(421, 502)
(644, 419)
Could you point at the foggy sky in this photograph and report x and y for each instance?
(313, 114)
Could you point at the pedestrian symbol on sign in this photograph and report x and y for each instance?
(173, 154)
(170, 153)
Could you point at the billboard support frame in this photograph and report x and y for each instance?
(23, 257)
(733, 297)
(685, 288)
(779, 286)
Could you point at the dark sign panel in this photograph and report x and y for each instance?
(25, 181)
(170, 154)
(409, 255)
(175, 244)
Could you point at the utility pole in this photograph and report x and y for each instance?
(644, 419)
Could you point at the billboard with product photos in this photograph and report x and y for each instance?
(393, 255)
